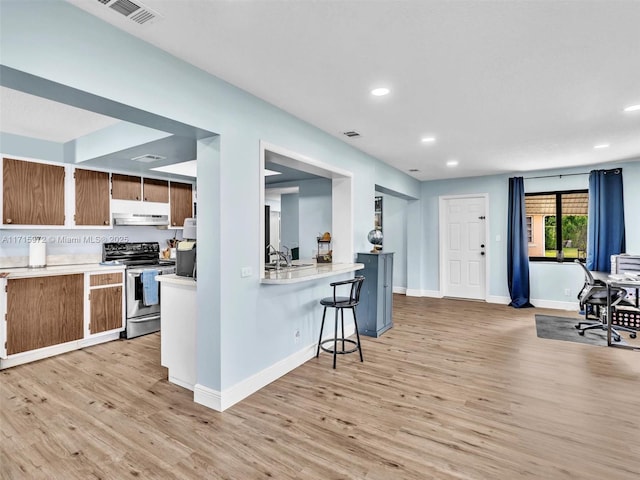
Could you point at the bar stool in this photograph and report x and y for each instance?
(340, 303)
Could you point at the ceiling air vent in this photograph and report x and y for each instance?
(148, 158)
(351, 134)
(134, 11)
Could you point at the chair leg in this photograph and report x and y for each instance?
(355, 323)
(321, 328)
(342, 325)
(335, 341)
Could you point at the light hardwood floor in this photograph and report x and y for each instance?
(456, 390)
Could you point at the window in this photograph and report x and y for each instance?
(558, 222)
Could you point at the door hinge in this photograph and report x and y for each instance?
(6, 288)
(89, 297)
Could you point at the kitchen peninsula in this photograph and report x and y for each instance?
(303, 273)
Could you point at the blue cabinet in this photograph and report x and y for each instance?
(376, 298)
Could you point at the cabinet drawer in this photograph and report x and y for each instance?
(105, 279)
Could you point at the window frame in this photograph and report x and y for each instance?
(558, 194)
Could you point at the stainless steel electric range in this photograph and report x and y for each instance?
(142, 307)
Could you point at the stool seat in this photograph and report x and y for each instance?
(340, 303)
(333, 302)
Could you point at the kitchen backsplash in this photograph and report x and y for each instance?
(74, 246)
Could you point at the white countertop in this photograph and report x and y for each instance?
(173, 279)
(305, 274)
(24, 272)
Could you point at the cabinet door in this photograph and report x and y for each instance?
(388, 291)
(32, 193)
(181, 203)
(106, 309)
(92, 197)
(44, 311)
(155, 190)
(125, 187)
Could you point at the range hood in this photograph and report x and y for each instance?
(141, 219)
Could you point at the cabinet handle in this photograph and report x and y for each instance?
(9, 220)
(137, 197)
(106, 222)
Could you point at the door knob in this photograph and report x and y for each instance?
(481, 253)
(482, 246)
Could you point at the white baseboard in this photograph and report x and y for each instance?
(498, 299)
(39, 354)
(413, 292)
(400, 290)
(555, 304)
(220, 401)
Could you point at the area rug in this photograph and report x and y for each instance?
(563, 328)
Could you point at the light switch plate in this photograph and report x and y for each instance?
(246, 272)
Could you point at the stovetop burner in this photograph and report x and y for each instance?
(134, 253)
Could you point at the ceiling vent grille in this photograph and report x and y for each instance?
(134, 11)
(148, 158)
(351, 134)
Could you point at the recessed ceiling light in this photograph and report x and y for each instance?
(268, 173)
(601, 145)
(428, 139)
(452, 163)
(632, 108)
(380, 91)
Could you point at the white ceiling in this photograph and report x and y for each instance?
(503, 86)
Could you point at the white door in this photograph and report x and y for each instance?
(463, 262)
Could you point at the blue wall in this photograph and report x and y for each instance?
(548, 279)
(243, 326)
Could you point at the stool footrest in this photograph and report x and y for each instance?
(339, 340)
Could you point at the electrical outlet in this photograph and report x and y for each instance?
(246, 272)
(296, 336)
(567, 292)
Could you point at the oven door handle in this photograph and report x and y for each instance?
(148, 318)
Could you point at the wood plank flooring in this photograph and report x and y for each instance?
(456, 390)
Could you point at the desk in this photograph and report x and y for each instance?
(623, 284)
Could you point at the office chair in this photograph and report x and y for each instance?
(593, 299)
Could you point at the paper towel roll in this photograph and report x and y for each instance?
(37, 253)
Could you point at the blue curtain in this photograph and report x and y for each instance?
(606, 219)
(517, 246)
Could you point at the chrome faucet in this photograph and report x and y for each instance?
(286, 256)
(283, 257)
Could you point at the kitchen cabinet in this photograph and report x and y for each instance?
(126, 187)
(44, 311)
(155, 190)
(32, 193)
(92, 197)
(105, 302)
(181, 203)
(376, 297)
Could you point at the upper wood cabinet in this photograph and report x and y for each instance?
(32, 193)
(155, 190)
(92, 197)
(125, 187)
(181, 203)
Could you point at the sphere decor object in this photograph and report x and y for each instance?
(375, 238)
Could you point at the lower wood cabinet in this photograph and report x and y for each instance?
(53, 314)
(105, 302)
(44, 311)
